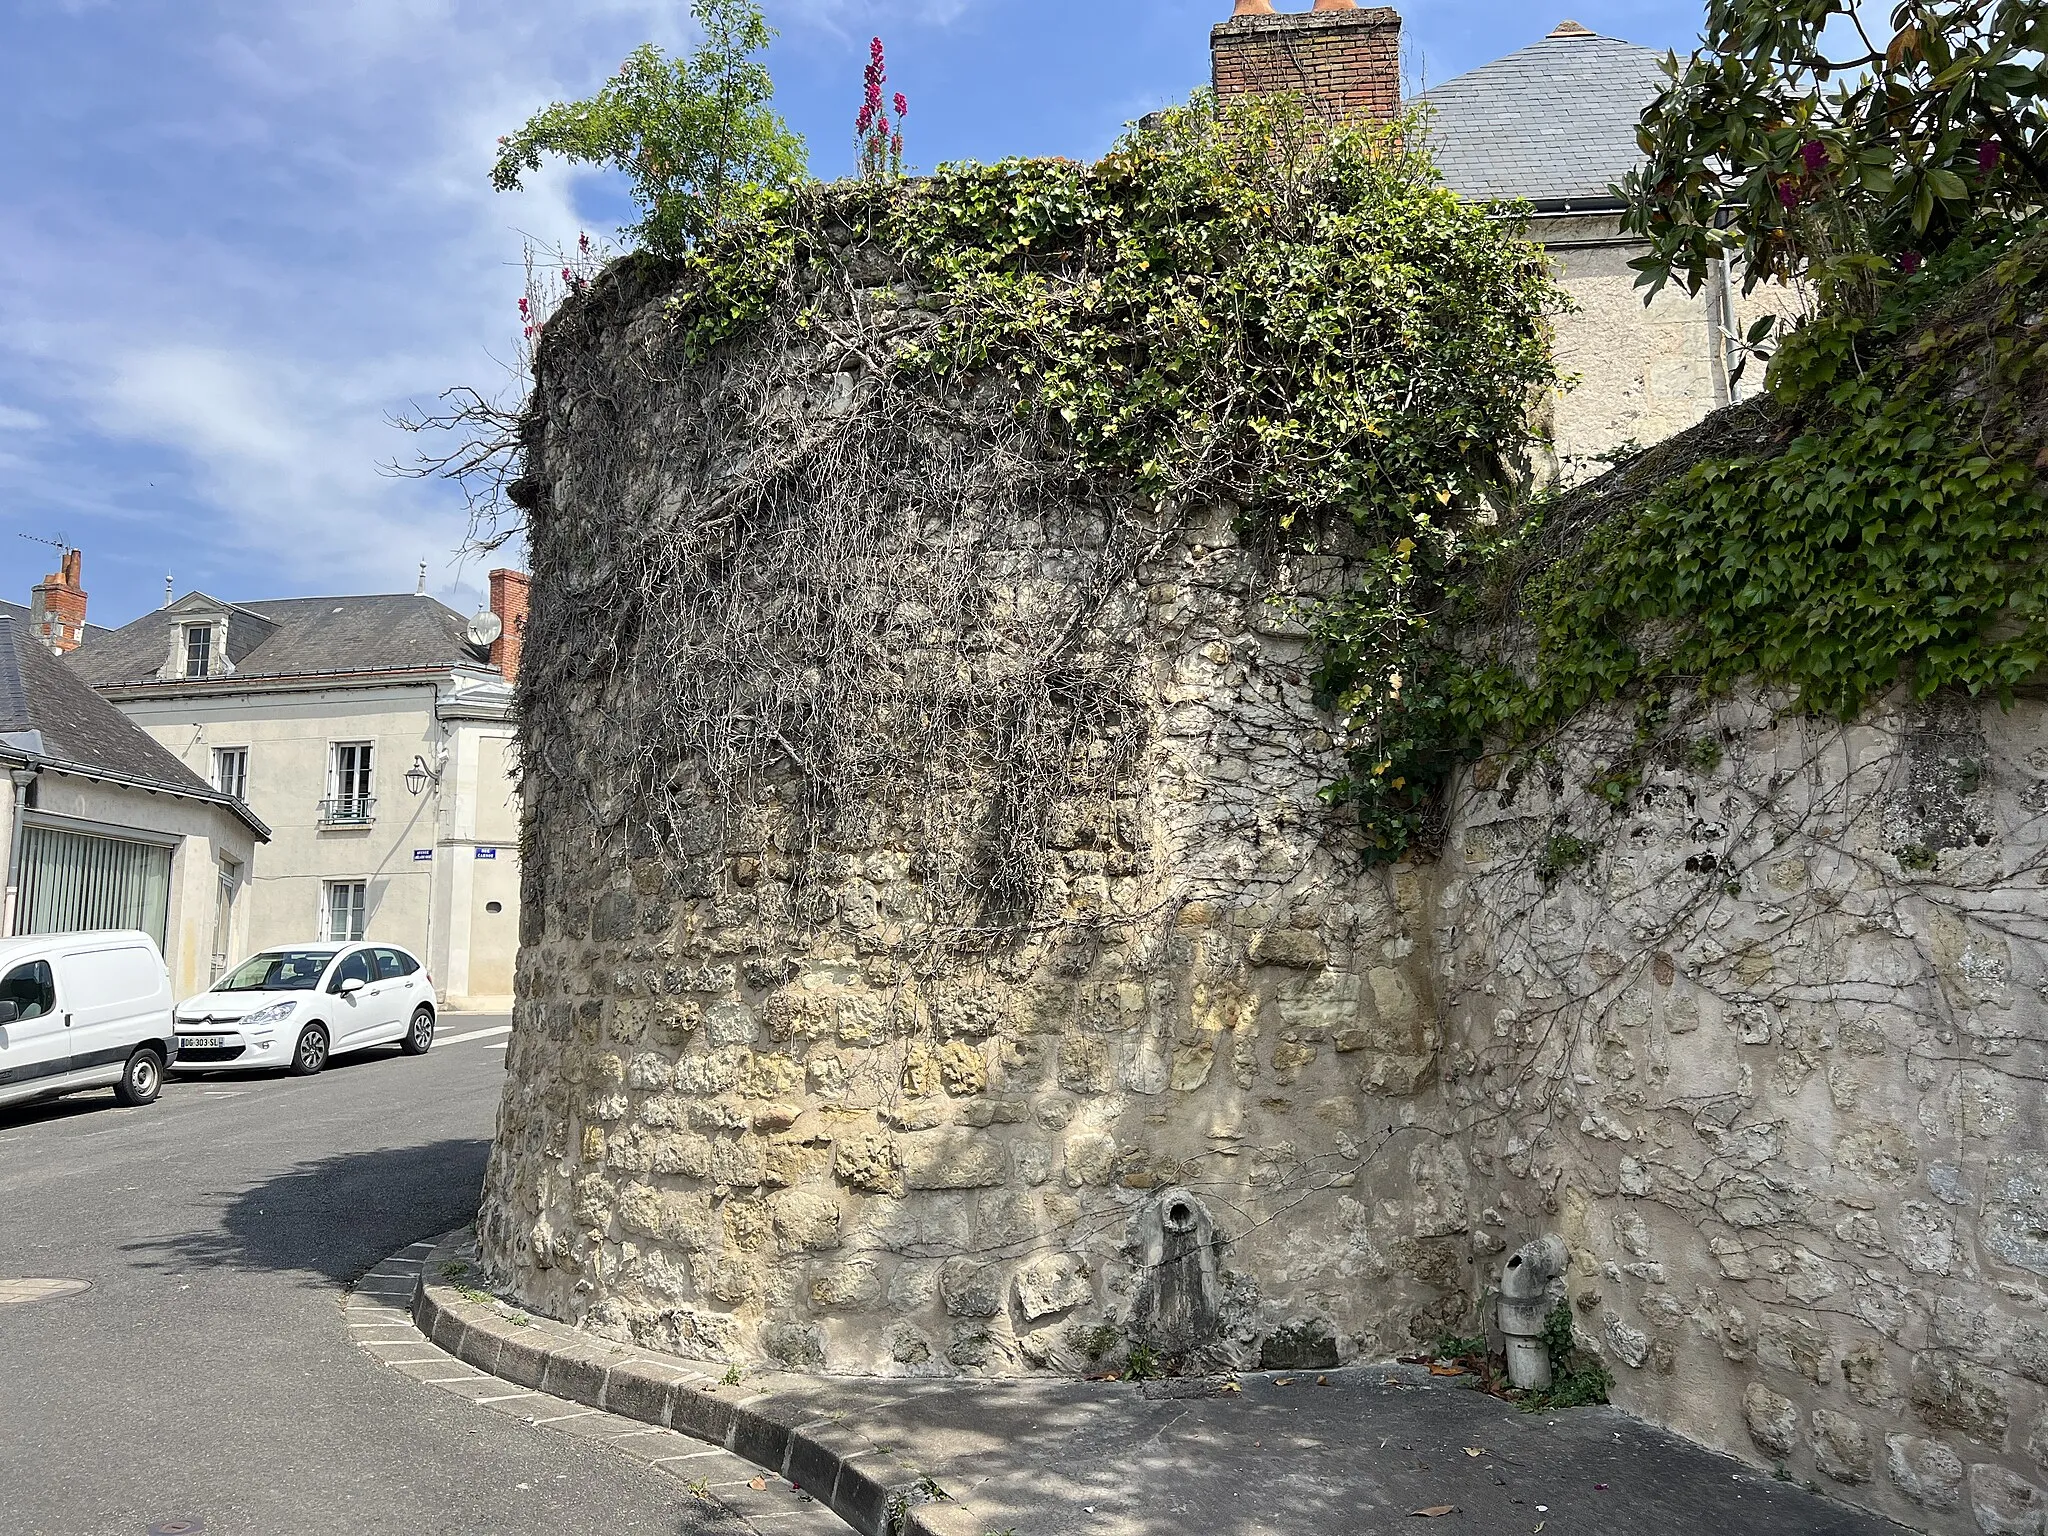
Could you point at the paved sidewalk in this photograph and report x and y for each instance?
(1365, 1450)
(728, 1494)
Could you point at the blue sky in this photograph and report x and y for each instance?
(239, 233)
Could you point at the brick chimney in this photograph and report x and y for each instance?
(57, 613)
(1342, 59)
(508, 602)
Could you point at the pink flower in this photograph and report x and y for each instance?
(1909, 262)
(1788, 193)
(566, 275)
(583, 244)
(522, 306)
(902, 106)
(1987, 155)
(1815, 154)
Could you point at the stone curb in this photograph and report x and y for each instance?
(837, 1466)
(379, 1313)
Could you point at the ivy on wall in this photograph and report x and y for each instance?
(1234, 306)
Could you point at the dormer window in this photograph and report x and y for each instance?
(198, 650)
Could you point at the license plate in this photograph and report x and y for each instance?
(200, 1042)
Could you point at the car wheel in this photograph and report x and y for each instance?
(420, 1034)
(142, 1079)
(310, 1055)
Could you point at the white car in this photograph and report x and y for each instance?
(299, 1005)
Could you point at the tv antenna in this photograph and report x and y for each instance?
(61, 544)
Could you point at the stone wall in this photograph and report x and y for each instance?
(1765, 1046)
(733, 1133)
(1758, 1032)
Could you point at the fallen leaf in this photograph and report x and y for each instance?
(1434, 1510)
(1475, 1450)
(1283, 1381)
(1447, 1370)
(759, 1482)
(1599, 1487)
(1322, 1381)
(1230, 1386)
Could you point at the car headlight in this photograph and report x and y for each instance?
(273, 1013)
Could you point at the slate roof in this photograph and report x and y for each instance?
(48, 714)
(1553, 123)
(21, 612)
(296, 637)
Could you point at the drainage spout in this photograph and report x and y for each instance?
(1525, 1307)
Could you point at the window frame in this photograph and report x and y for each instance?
(240, 757)
(359, 909)
(364, 772)
(203, 634)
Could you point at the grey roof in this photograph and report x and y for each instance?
(1553, 123)
(48, 714)
(21, 611)
(297, 637)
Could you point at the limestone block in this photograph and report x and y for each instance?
(1085, 1064)
(1626, 1343)
(1191, 1063)
(706, 1073)
(1927, 1238)
(1147, 1069)
(1299, 949)
(1051, 1284)
(850, 1287)
(1792, 1343)
(1090, 1158)
(1773, 1420)
(746, 1224)
(1883, 1154)
(969, 1289)
(943, 1159)
(1219, 1007)
(649, 1072)
(800, 1346)
(1925, 1471)
(909, 1345)
(961, 1068)
(2016, 1213)
(2030, 1351)
(2006, 1504)
(771, 1077)
(737, 1163)
(866, 1159)
(1945, 1389)
(805, 1220)
(1841, 1447)
(1868, 1374)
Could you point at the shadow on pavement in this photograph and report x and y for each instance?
(333, 1217)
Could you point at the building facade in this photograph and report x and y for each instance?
(374, 736)
(1551, 127)
(103, 828)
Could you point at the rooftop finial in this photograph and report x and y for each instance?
(1572, 29)
(421, 589)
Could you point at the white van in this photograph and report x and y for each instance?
(84, 1010)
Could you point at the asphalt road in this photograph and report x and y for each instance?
(207, 1375)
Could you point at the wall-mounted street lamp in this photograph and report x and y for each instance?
(419, 776)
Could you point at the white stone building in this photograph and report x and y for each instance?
(1553, 125)
(375, 737)
(102, 828)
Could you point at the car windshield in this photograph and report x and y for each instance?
(277, 970)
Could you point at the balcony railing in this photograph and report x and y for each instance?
(348, 811)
